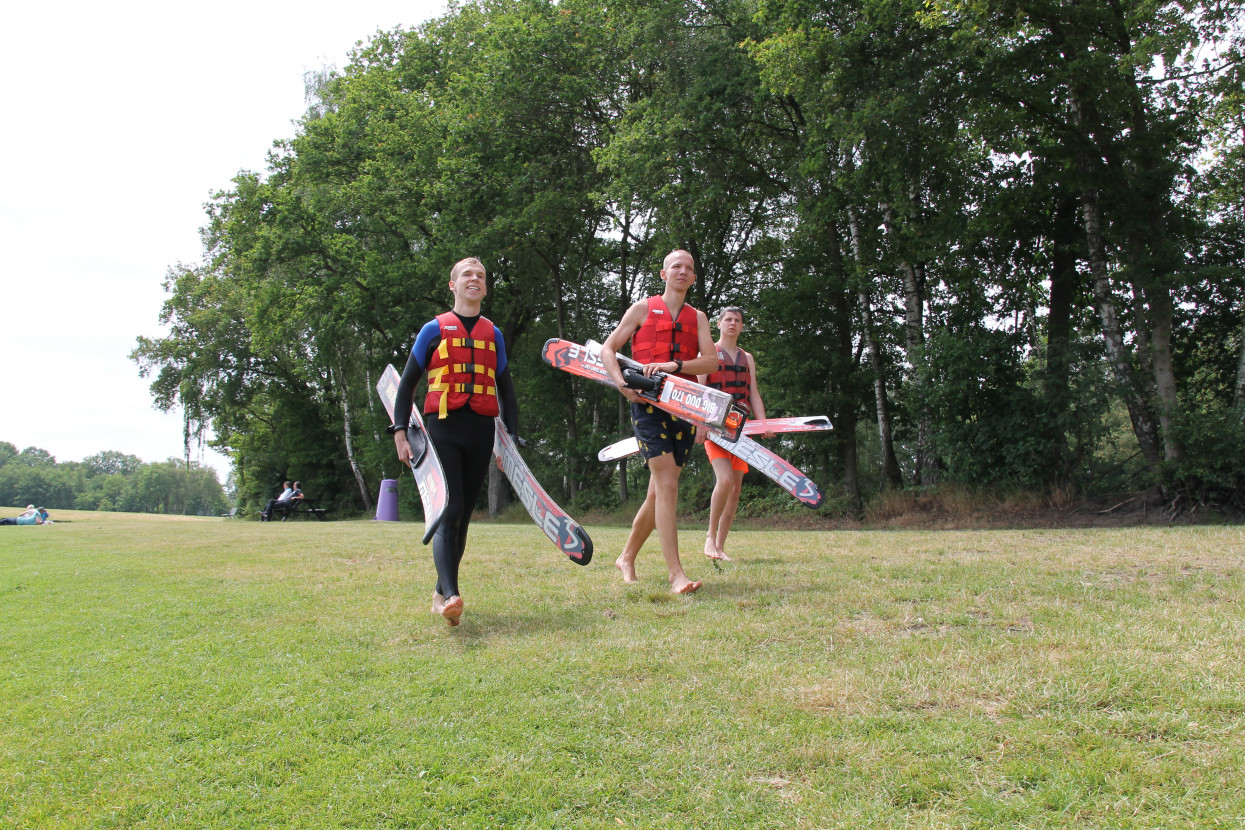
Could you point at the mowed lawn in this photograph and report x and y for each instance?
(206, 673)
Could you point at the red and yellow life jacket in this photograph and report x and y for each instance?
(662, 337)
(733, 377)
(463, 369)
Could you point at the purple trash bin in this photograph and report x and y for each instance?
(387, 504)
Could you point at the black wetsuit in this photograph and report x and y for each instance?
(464, 444)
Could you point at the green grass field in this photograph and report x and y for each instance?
(204, 673)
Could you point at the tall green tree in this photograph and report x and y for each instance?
(1110, 94)
(945, 217)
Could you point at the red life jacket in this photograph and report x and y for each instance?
(733, 377)
(661, 337)
(463, 369)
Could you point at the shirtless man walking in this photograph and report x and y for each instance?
(666, 335)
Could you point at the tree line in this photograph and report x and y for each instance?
(110, 481)
(999, 243)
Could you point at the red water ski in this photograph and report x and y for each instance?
(697, 404)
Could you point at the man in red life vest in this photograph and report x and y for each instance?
(736, 374)
(666, 335)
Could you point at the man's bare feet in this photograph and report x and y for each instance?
(452, 609)
(627, 566)
(686, 586)
(713, 553)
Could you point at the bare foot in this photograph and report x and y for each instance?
(712, 551)
(452, 609)
(438, 608)
(627, 566)
(686, 586)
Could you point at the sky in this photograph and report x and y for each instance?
(120, 121)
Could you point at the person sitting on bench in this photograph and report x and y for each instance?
(285, 502)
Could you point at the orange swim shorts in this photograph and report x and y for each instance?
(715, 452)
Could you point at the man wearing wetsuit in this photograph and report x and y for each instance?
(666, 335)
(464, 356)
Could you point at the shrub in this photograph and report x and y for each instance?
(1213, 470)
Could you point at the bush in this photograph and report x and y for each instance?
(990, 425)
(1213, 472)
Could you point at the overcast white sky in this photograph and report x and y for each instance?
(120, 120)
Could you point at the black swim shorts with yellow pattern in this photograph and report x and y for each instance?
(658, 432)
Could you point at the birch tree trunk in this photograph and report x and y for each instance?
(1144, 426)
(914, 337)
(348, 434)
(1151, 255)
(891, 474)
(1142, 352)
(1159, 300)
(1139, 413)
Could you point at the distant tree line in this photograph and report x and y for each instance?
(110, 481)
(998, 243)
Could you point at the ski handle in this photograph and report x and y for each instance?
(418, 442)
(636, 380)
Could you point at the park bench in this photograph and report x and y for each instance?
(299, 507)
